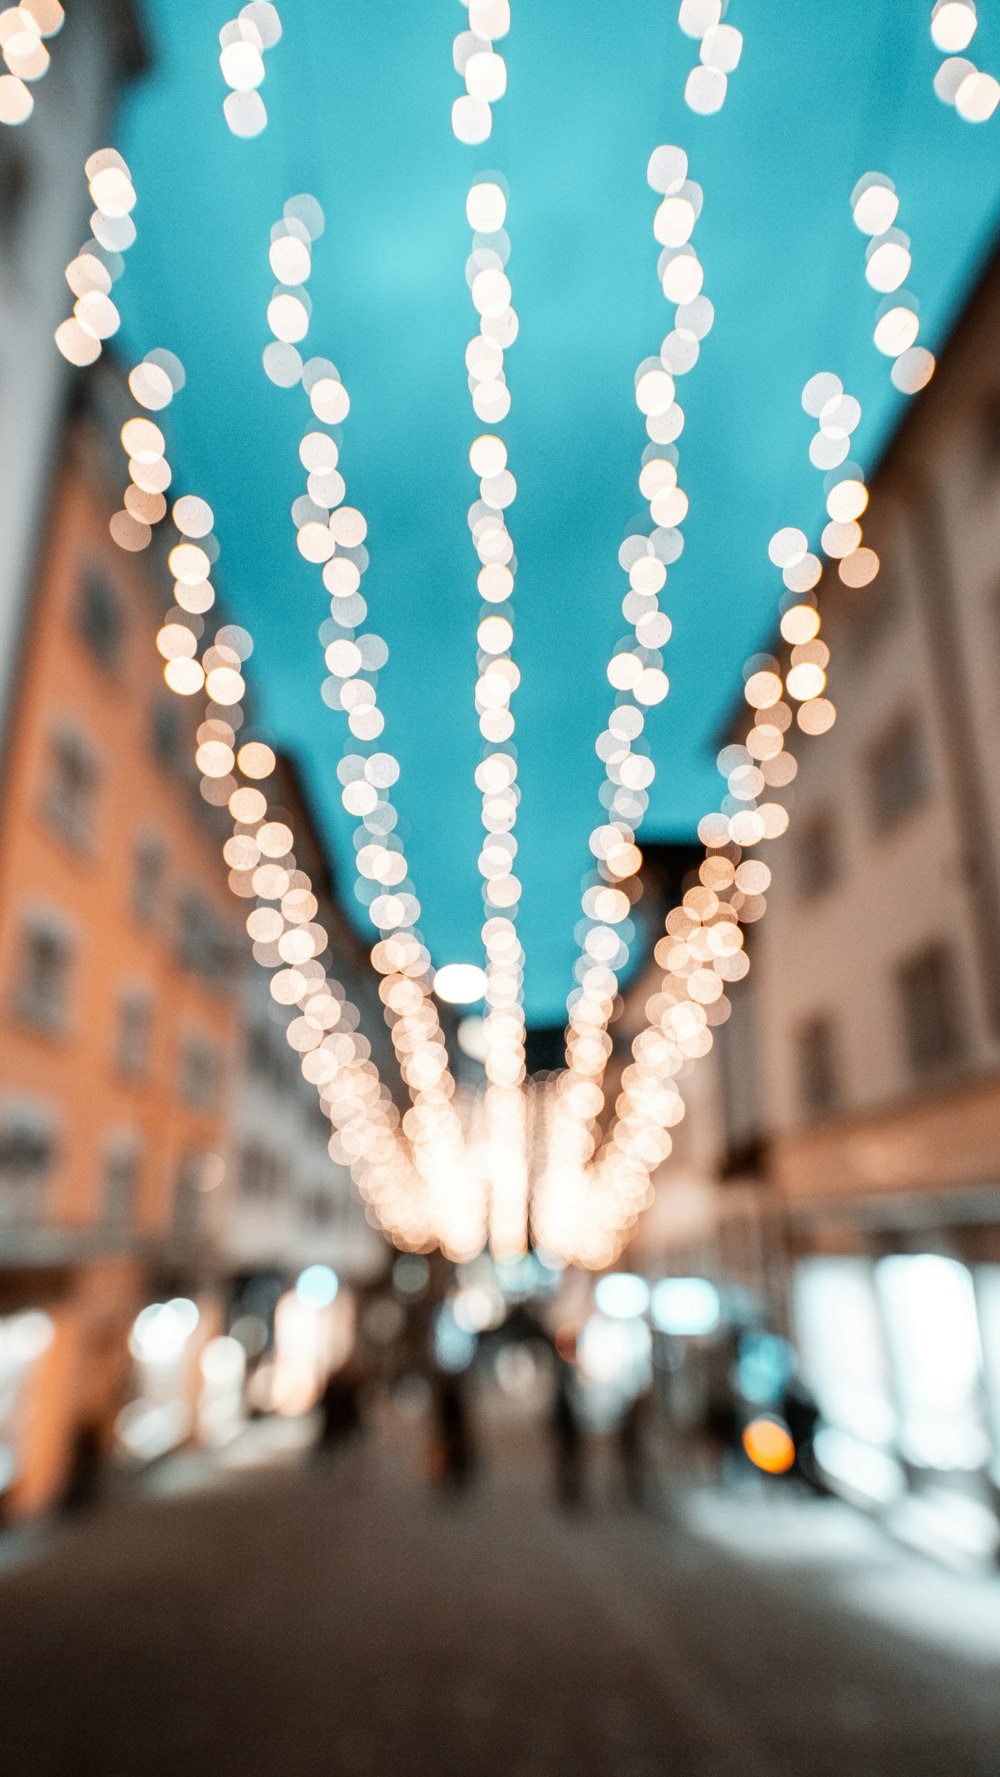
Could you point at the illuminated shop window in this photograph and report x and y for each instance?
(929, 1304)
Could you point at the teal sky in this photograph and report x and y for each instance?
(359, 99)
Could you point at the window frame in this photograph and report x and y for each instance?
(884, 819)
(75, 827)
(822, 1025)
(34, 1010)
(947, 1059)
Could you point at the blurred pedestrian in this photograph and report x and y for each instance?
(632, 1439)
(86, 1468)
(722, 1421)
(567, 1439)
(801, 1414)
(453, 1450)
(341, 1408)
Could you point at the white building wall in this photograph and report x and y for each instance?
(834, 954)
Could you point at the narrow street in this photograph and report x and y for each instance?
(301, 1619)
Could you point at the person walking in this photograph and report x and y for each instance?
(454, 1459)
(567, 1440)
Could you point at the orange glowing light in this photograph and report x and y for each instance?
(769, 1446)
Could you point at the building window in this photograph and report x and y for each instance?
(319, 1208)
(41, 996)
(200, 1074)
(166, 733)
(202, 939)
(121, 1184)
(261, 1174)
(15, 190)
(819, 1074)
(269, 1058)
(188, 1185)
(148, 872)
(135, 1029)
(899, 773)
(27, 1157)
(930, 1005)
(71, 788)
(818, 855)
(99, 619)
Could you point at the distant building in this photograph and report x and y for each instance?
(861, 1067)
(119, 1002)
(44, 207)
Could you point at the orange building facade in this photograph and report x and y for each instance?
(119, 952)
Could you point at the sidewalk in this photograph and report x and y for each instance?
(327, 1619)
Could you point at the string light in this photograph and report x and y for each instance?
(958, 81)
(243, 43)
(721, 47)
(500, 1155)
(875, 206)
(481, 67)
(586, 1215)
(450, 1168)
(100, 261)
(636, 669)
(262, 864)
(331, 534)
(23, 31)
(333, 1054)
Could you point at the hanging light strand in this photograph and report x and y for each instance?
(505, 1149)
(875, 208)
(92, 272)
(636, 669)
(481, 67)
(720, 49)
(243, 43)
(24, 30)
(331, 535)
(958, 82)
(702, 950)
(333, 1054)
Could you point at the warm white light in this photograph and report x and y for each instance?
(460, 984)
(486, 206)
(888, 261)
(953, 24)
(874, 203)
(896, 330)
(977, 97)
